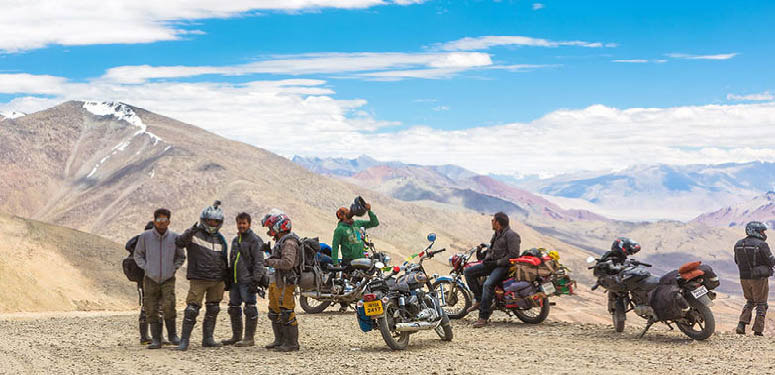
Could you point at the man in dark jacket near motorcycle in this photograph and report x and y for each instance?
(246, 275)
(504, 245)
(285, 261)
(755, 262)
(207, 269)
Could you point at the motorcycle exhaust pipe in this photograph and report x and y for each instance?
(317, 295)
(414, 327)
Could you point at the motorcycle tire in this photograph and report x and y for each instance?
(398, 342)
(460, 297)
(707, 326)
(444, 330)
(535, 315)
(619, 316)
(313, 309)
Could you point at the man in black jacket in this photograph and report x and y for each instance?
(246, 275)
(504, 245)
(754, 261)
(207, 269)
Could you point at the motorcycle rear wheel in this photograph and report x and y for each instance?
(394, 340)
(706, 322)
(314, 308)
(619, 316)
(534, 315)
(458, 300)
(444, 330)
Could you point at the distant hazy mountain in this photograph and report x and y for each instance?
(447, 184)
(761, 208)
(659, 191)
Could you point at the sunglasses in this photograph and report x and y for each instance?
(162, 220)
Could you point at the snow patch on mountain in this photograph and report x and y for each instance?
(10, 115)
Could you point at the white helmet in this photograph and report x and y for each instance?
(213, 212)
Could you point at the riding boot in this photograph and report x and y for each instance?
(156, 335)
(172, 331)
(251, 320)
(291, 342)
(143, 325)
(189, 320)
(208, 326)
(740, 330)
(277, 328)
(235, 313)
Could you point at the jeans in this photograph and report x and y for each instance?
(239, 294)
(484, 294)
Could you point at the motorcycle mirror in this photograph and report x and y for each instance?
(591, 260)
(379, 265)
(432, 237)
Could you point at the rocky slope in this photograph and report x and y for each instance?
(761, 208)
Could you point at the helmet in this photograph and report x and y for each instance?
(358, 208)
(756, 229)
(277, 222)
(625, 245)
(455, 261)
(532, 252)
(213, 212)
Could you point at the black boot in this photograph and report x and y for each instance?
(291, 342)
(156, 335)
(208, 326)
(172, 331)
(189, 320)
(251, 320)
(143, 323)
(277, 328)
(740, 330)
(235, 313)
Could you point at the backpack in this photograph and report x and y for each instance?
(308, 267)
(132, 271)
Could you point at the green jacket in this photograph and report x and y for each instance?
(347, 237)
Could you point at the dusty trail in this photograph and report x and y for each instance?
(105, 343)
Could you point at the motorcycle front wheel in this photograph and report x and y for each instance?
(316, 307)
(444, 330)
(395, 340)
(699, 323)
(619, 316)
(457, 299)
(534, 315)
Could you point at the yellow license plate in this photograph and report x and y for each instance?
(373, 308)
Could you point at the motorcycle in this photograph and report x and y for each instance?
(527, 300)
(343, 285)
(682, 297)
(401, 305)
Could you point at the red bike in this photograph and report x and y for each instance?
(527, 300)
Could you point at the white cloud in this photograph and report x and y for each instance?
(639, 61)
(419, 65)
(31, 24)
(305, 117)
(762, 96)
(440, 108)
(537, 6)
(485, 42)
(685, 56)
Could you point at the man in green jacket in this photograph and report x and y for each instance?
(347, 235)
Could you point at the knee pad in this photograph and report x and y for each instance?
(234, 310)
(251, 312)
(761, 308)
(212, 309)
(287, 317)
(273, 317)
(191, 312)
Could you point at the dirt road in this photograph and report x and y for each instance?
(332, 344)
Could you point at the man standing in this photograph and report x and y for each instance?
(754, 261)
(504, 245)
(207, 269)
(157, 254)
(347, 235)
(247, 272)
(285, 261)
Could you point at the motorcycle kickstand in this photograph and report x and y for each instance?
(670, 326)
(648, 325)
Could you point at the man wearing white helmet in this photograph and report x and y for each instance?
(207, 269)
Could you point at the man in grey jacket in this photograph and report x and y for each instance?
(157, 254)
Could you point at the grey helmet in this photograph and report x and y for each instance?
(756, 229)
(213, 212)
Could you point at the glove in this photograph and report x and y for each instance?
(489, 263)
(261, 293)
(502, 262)
(253, 287)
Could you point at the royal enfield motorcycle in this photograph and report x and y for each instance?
(682, 297)
(402, 302)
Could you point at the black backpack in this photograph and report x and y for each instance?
(132, 271)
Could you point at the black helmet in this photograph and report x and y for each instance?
(532, 252)
(756, 229)
(358, 208)
(625, 245)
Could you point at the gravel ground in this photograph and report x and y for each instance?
(332, 343)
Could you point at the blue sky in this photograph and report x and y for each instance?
(481, 64)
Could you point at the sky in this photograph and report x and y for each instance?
(507, 87)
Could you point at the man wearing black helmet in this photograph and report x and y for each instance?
(207, 269)
(754, 261)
